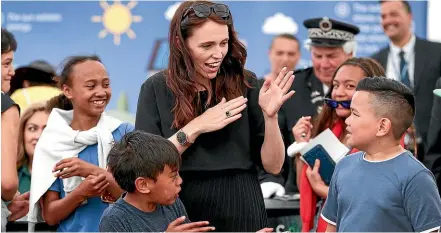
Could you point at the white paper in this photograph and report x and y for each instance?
(330, 143)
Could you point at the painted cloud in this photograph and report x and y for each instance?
(171, 11)
(278, 24)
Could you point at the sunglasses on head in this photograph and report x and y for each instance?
(203, 10)
(334, 103)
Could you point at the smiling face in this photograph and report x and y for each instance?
(208, 45)
(343, 86)
(325, 62)
(284, 52)
(89, 88)
(7, 70)
(32, 131)
(396, 20)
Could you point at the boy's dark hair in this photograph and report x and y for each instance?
(405, 4)
(286, 36)
(8, 42)
(140, 154)
(391, 99)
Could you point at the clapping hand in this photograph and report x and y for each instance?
(74, 167)
(275, 92)
(222, 114)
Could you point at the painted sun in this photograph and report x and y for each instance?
(117, 20)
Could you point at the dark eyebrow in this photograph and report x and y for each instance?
(173, 169)
(173, 173)
(207, 43)
(96, 80)
(212, 42)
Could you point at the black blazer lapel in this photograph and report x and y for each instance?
(382, 57)
(419, 63)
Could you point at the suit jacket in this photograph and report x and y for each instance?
(433, 153)
(426, 73)
(307, 101)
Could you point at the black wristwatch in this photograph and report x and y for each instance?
(182, 138)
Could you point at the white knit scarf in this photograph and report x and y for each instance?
(59, 141)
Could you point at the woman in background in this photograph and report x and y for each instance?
(32, 122)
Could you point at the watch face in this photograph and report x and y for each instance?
(182, 138)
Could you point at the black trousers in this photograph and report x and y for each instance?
(230, 200)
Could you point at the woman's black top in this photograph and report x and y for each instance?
(7, 102)
(236, 146)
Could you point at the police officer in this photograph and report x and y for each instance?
(331, 43)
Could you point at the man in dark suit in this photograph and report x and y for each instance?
(331, 43)
(433, 153)
(414, 61)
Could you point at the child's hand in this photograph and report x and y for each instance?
(314, 175)
(315, 179)
(177, 226)
(93, 186)
(302, 130)
(74, 167)
(19, 206)
(266, 229)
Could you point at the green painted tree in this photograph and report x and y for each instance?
(122, 109)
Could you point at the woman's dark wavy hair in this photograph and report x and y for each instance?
(181, 72)
(61, 101)
(328, 116)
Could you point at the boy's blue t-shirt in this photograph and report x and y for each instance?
(396, 195)
(86, 218)
(124, 217)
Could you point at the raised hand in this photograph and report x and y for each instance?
(275, 92)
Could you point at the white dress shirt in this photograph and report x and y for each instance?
(325, 89)
(393, 60)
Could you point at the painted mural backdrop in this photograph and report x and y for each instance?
(131, 36)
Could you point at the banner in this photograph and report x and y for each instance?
(131, 37)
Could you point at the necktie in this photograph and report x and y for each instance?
(404, 70)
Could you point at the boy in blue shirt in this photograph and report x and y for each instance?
(383, 187)
(146, 166)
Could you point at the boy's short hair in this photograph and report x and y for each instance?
(8, 42)
(140, 154)
(391, 99)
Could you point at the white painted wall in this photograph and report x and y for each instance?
(434, 20)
